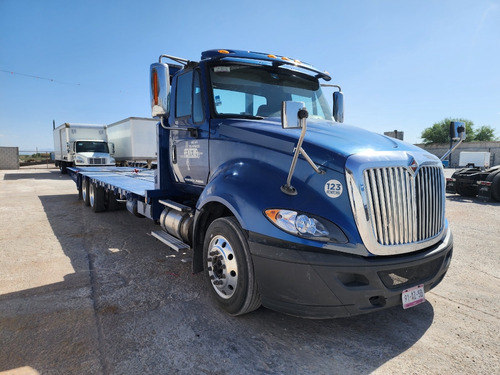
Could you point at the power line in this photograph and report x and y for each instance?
(38, 77)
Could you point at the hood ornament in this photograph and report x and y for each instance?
(413, 166)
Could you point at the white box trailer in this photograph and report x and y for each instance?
(80, 145)
(135, 140)
(474, 159)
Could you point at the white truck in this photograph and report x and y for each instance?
(135, 141)
(81, 145)
(474, 159)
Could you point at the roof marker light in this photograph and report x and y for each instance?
(223, 51)
(272, 56)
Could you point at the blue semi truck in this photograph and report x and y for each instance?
(280, 203)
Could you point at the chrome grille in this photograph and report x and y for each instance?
(404, 208)
(97, 161)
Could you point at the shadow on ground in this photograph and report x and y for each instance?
(133, 306)
(51, 175)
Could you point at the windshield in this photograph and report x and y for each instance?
(92, 146)
(249, 90)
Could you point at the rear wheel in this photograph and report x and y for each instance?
(229, 268)
(85, 192)
(465, 190)
(96, 197)
(111, 202)
(495, 187)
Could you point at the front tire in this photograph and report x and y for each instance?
(63, 167)
(229, 268)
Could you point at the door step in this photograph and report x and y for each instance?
(170, 240)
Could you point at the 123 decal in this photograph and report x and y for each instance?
(334, 188)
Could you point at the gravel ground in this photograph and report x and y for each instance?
(86, 293)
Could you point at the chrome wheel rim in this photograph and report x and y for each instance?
(92, 195)
(222, 267)
(84, 190)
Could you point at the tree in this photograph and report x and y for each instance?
(485, 133)
(440, 132)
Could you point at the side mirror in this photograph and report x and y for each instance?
(291, 115)
(457, 130)
(111, 147)
(338, 106)
(457, 133)
(160, 89)
(68, 149)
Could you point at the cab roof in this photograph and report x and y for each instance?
(275, 60)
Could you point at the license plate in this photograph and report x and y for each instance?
(413, 296)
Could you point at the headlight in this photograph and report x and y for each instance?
(306, 225)
(80, 160)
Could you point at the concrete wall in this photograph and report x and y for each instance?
(9, 158)
(440, 149)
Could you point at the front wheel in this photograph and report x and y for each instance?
(63, 167)
(229, 268)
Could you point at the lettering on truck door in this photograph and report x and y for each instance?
(189, 156)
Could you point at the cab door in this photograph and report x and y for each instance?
(189, 144)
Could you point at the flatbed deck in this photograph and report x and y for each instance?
(132, 180)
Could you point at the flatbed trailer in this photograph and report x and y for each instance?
(126, 180)
(108, 188)
(104, 188)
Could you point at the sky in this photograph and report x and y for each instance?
(402, 65)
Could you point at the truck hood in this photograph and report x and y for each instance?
(327, 143)
(93, 154)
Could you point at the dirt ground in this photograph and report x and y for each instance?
(86, 293)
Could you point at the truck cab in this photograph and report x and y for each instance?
(280, 202)
(328, 219)
(90, 152)
(80, 145)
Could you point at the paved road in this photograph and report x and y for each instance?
(85, 293)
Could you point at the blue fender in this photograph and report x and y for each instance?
(247, 187)
(244, 187)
